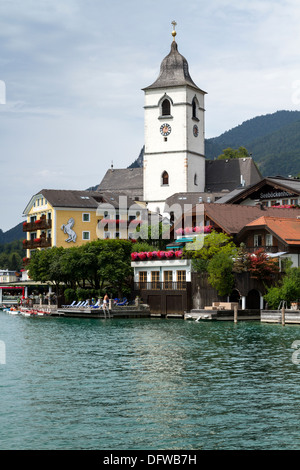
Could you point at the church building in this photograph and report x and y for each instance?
(173, 160)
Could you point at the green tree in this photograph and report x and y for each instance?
(216, 257)
(220, 273)
(288, 289)
(229, 153)
(210, 245)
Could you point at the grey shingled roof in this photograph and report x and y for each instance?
(127, 181)
(78, 199)
(226, 174)
(289, 184)
(174, 71)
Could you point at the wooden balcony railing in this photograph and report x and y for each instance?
(37, 243)
(168, 285)
(267, 249)
(40, 224)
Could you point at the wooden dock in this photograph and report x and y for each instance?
(276, 316)
(126, 311)
(222, 315)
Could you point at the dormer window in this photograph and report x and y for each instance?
(166, 107)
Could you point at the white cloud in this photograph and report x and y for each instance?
(74, 71)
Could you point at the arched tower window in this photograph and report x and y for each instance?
(166, 107)
(194, 105)
(165, 178)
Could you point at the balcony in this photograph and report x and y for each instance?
(39, 224)
(267, 249)
(168, 285)
(41, 242)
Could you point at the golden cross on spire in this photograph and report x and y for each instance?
(174, 32)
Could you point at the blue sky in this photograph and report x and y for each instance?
(74, 72)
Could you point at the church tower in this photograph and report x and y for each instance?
(174, 157)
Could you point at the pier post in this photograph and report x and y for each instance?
(235, 313)
(283, 316)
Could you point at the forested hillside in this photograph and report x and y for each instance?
(273, 140)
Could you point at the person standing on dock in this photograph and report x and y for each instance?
(105, 302)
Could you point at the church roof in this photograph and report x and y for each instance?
(128, 181)
(174, 71)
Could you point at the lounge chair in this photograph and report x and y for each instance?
(124, 302)
(70, 305)
(97, 304)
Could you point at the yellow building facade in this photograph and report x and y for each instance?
(67, 218)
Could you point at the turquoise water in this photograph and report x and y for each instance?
(147, 384)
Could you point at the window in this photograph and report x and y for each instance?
(142, 279)
(195, 180)
(269, 239)
(117, 234)
(155, 279)
(257, 240)
(294, 202)
(166, 107)
(86, 217)
(165, 178)
(181, 279)
(194, 105)
(168, 278)
(85, 235)
(107, 235)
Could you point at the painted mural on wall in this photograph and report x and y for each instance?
(68, 229)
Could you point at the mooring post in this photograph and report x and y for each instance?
(283, 316)
(235, 313)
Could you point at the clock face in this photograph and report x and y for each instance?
(165, 129)
(195, 130)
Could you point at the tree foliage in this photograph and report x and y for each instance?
(229, 153)
(288, 289)
(100, 264)
(215, 255)
(11, 255)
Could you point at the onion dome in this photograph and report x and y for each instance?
(174, 70)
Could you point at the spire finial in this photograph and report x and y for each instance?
(174, 32)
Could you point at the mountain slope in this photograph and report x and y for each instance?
(273, 140)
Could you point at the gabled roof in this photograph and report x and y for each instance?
(231, 218)
(77, 199)
(230, 174)
(286, 229)
(291, 185)
(128, 181)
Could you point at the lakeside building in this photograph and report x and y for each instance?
(8, 276)
(71, 218)
(175, 180)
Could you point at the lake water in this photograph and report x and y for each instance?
(147, 384)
